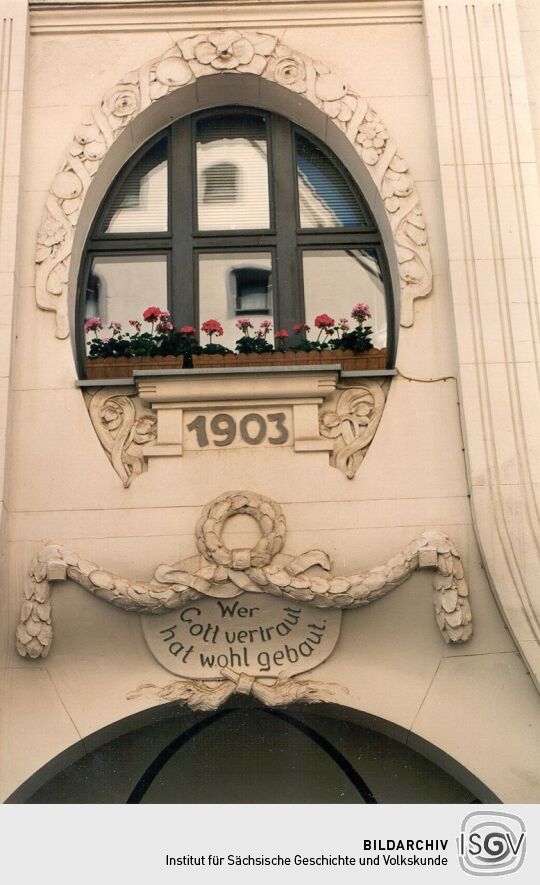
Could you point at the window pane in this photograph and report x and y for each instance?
(232, 173)
(326, 197)
(337, 279)
(140, 205)
(232, 286)
(120, 287)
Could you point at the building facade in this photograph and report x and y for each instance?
(205, 541)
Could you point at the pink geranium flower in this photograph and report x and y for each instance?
(244, 325)
(135, 323)
(151, 314)
(281, 336)
(323, 321)
(264, 329)
(116, 327)
(360, 312)
(163, 327)
(93, 324)
(187, 330)
(300, 328)
(212, 327)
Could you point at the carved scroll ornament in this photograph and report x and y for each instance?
(210, 54)
(350, 418)
(263, 568)
(123, 426)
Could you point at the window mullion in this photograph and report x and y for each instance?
(289, 307)
(182, 171)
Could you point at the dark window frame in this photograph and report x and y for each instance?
(285, 239)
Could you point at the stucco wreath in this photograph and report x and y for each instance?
(211, 54)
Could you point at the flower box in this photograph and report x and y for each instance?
(119, 367)
(243, 360)
(349, 361)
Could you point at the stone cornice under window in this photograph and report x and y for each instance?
(72, 16)
(309, 409)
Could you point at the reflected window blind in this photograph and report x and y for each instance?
(140, 204)
(326, 198)
(232, 173)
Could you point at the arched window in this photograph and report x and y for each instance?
(229, 212)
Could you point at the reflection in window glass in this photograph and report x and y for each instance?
(337, 279)
(140, 205)
(325, 196)
(232, 286)
(120, 287)
(220, 183)
(232, 173)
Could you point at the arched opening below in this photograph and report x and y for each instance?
(247, 754)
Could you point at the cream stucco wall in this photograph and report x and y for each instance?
(475, 702)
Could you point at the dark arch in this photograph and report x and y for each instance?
(246, 90)
(156, 766)
(332, 751)
(172, 712)
(150, 774)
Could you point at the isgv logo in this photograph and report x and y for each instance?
(491, 843)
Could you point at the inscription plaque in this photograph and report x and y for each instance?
(255, 634)
(237, 428)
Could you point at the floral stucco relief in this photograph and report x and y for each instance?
(211, 54)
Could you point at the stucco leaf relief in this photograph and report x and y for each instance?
(211, 54)
(224, 572)
(199, 694)
(123, 425)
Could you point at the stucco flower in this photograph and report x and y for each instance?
(122, 101)
(371, 137)
(112, 415)
(51, 232)
(289, 71)
(225, 50)
(144, 430)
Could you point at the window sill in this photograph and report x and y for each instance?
(222, 371)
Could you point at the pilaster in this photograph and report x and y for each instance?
(489, 183)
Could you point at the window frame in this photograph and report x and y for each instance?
(285, 239)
